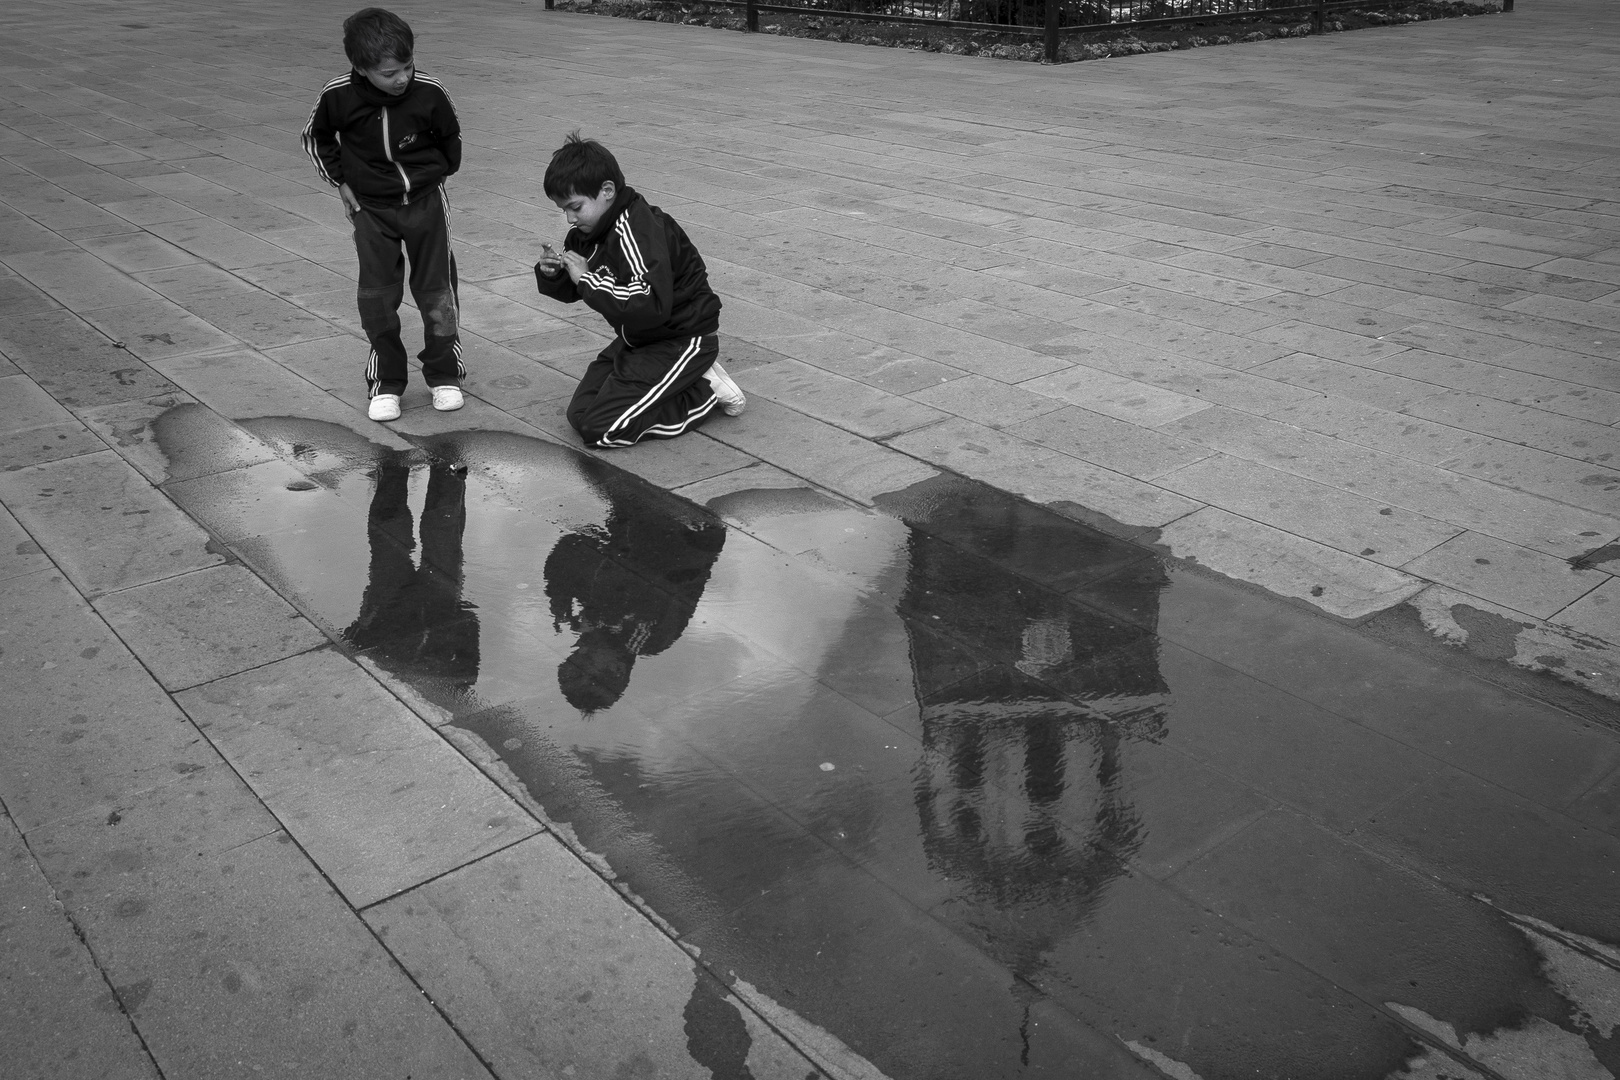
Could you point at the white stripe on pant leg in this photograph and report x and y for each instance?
(449, 257)
(373, 383)
(650, 397)
(455, 299)
(668, 431)
(698, 412)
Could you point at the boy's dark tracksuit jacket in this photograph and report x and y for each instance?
(395, 152)
(390, 150)
(645, 277)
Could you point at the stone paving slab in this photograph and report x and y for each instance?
(218, 935)
(915, 955)
(826, 455)
(61, 351)
(34, 428)
(1455, 498)
(155, 329)
(1341, 909)
(1342, 583)
(63, 1023)
(1103, 960)
(1338, 519)
(89, 725)
(378, 801)
(1444, 824)
(203, 626)
(1528, 581)
(547, 970)
(1333, 668)
(105, 525)
(173, 437)
(1143, 452)
(19, 553)
(78, 279)
(241, 383)
(19, 296)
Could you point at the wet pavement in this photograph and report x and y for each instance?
(960, 780)
(854, 737)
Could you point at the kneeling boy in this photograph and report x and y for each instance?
(634, 265)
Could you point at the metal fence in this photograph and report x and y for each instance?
(1053, 19)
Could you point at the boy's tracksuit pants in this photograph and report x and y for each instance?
(384, 237)
(654, 391)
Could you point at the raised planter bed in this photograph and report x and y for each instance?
(1076, 43)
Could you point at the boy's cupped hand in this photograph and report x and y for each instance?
(551, 264)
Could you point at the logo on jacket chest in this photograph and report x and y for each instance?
(408, 140)
(605, 269)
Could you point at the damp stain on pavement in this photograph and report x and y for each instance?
(716, 1034)
(978, 789)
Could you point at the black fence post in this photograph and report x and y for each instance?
(1318, 18)
(1052, 8)
(753, 16)
(1507, 5)
(551, 5)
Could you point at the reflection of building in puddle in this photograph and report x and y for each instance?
(627, 587)
(1018, 789)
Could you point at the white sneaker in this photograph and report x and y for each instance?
(384, 407)
(447, 398)
(732, 399)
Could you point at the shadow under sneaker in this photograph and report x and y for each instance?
(447, 398)
(732, 399)
(384, 407)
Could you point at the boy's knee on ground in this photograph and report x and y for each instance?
(594, 415)
(589, 422)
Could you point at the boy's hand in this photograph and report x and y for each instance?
(550, 264)
(351, 205)
(575, 264)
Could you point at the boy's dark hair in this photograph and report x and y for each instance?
(373, 35)
(580, 167)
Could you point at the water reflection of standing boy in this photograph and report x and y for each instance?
(412, 610)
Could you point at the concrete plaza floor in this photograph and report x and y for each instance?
(1337, 318)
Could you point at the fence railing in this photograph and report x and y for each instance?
(1053, 19)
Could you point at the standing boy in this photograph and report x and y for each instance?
(634, 265)
(386, 136)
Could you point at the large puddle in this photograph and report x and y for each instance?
(963, 782)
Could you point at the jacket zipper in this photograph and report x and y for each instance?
(388, 152)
